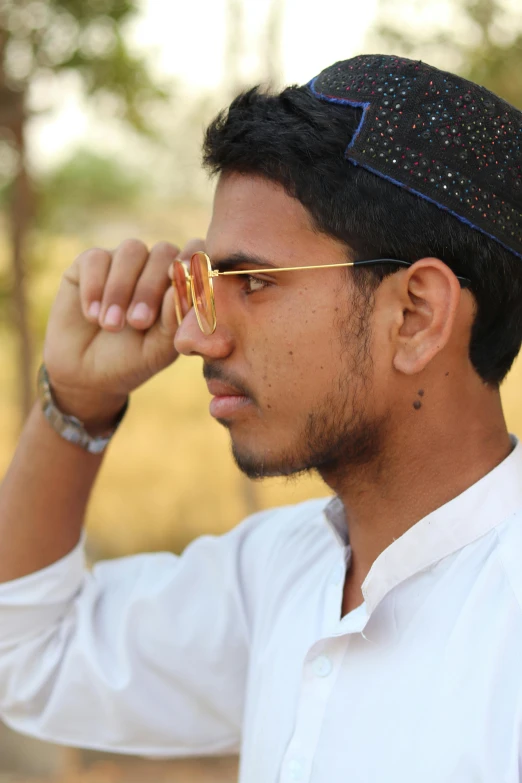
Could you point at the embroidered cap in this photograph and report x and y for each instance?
(442, 137)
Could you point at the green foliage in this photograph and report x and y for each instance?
(496, 60)
(38, 37)
(86, 184)
(485, 44)
(43, 39)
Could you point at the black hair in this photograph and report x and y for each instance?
(298, 141)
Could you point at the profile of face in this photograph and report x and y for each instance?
(317, 370)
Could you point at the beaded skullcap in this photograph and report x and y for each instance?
(441, 137)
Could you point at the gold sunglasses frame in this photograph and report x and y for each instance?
(192, 297)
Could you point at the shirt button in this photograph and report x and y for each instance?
(295, 769)
(322, 666)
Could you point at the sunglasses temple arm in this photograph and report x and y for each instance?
(464, 281)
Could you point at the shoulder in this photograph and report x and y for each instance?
(285, 526)
(240, 567)
(279, 541)
(251, 542)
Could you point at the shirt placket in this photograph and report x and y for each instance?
(320, 671)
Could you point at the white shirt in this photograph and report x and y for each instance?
(239, 644)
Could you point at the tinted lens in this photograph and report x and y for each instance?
(177, 305)
(181, 285)
(202, 291)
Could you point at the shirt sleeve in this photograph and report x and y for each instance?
(145, 654)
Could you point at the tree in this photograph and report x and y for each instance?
(85, 184)
(233, 80)
(42, 39)
(482, 40)
(269, 71)
(273, 43)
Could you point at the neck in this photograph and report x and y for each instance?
(421, 467)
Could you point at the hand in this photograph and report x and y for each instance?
(93, 364)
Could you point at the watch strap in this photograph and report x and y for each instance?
(70, 427)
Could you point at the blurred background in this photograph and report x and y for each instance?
(102, 110)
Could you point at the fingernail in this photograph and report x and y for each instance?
(113, 316)
(141, 312)
(94, 310)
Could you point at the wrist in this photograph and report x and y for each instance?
(101, 414)
(97, 412)
(98, 416)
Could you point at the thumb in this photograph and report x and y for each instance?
(167, 322)
(192, 246)
(158, 344)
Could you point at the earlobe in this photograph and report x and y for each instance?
(430, 300)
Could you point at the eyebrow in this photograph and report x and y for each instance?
(231, 262)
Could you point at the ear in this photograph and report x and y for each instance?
(429, 295)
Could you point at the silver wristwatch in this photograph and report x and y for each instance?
(69, 427)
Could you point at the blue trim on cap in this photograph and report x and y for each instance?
(365, 106)
(437, 204)
(343, 101)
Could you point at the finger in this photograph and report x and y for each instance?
(191, 247)
(150, 289)
(128, 261)
(159, 339)
(167, 322)
(93, 266)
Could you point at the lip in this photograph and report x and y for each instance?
(220, 389)
(226, 400)
(225, 407)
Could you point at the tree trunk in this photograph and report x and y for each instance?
(273, 68)
(20, 215)
(234, 82)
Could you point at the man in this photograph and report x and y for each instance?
(374, 637)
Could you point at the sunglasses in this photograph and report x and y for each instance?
(193, 285)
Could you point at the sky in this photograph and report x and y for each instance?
(190, 36)
(184, 40)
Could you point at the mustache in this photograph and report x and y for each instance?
(212, 372)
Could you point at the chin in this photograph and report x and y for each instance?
(259, 464)
(322, 446)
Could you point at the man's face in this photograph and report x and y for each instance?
(292, 343)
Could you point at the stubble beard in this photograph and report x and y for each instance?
(341, 434)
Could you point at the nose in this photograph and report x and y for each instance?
(189, 340)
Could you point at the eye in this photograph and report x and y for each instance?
(254, 284)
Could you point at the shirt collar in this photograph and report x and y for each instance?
(336, 520)
(470, 515)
